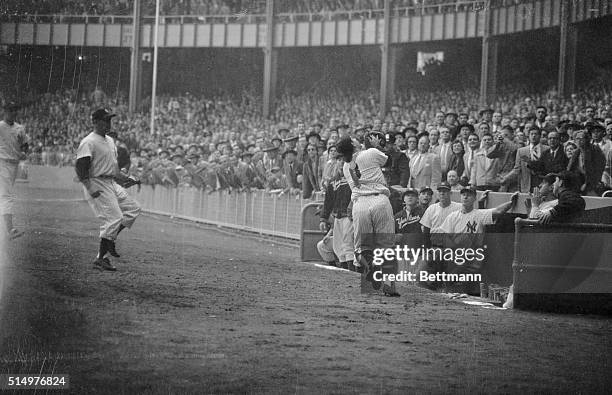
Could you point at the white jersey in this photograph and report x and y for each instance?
(12, 137)
(372, 180)
(434, 216)
(103, 153)
(468, 228)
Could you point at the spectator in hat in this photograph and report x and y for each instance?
(589, 161)
(290, 142)
(570, 204)
(425, 170)
(271, 158)
(277, 142)
(598, 132)
(248, 174)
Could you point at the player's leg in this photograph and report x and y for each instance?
(130, 209)
(363, 236)
(343, 242)
(107, 210)
(8, 172)
(384, 232)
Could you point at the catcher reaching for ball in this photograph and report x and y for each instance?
(104, 186)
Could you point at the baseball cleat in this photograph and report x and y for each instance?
(365, 261)
(104, 264)
(112, 250)
(390, 291)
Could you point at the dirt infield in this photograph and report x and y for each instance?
(194, 310)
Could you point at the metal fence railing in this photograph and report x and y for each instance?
(256, 211)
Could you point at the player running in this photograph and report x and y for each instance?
(103, 184)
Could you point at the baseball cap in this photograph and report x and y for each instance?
(468, 190)
(444, 185)
(426, 189)
(101, 114)
(410, 191)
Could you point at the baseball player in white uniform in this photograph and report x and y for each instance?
(97, 169)
(13, 148)
(373, 222)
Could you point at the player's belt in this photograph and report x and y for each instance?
(108, 177)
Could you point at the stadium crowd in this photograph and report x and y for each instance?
(326, 8)
(225, 143)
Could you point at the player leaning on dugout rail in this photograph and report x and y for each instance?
(104, 186)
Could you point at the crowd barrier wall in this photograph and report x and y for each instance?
(256, 211)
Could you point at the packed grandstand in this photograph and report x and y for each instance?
(215, 139)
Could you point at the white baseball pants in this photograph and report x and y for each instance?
(373, 223)
(115, 207)
(8, 173)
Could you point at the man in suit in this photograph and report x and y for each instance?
(505, 151)
(553, 160)
(311, 173)
(485, 170)
(425, 168)
(292, 170)
(247, 172)
(525, 156)
(444, 150)
(473, 145)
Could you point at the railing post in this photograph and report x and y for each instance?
(274, 216)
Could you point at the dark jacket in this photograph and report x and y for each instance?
(397, 168)
(457, 164)
(594, 165)
(551, 164)
(291, 173)
(337, 199)
(311, 177)
(570, 205)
